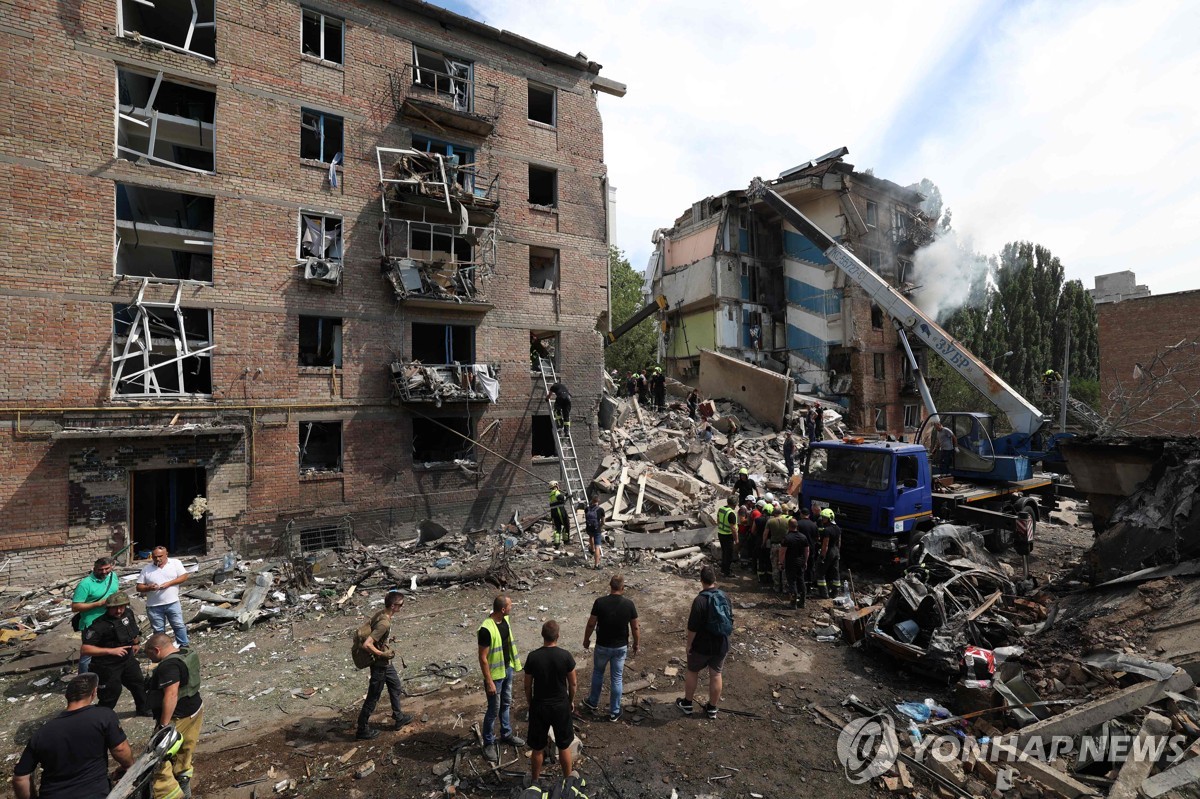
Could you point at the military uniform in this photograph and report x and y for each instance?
(108, 632)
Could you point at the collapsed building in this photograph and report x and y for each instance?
(269, 288)
(742, 282)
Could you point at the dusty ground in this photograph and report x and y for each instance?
(260, 732)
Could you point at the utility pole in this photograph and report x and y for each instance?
(1066, 380)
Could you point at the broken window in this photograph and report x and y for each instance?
(320, 136)
(900, 222)
(186, 26)
(543, 268)
(322, 36)
(320, 447)
(903, 271)
(459, 161)
(542, 104)
(872, 214)
(445, 75)
(881, 418)
(446, 438)
(443, 344)
(543, 345)
(875, 260)
(165, 122)
(165, 235)
(543, 437)
(320, 249)
(912, 417)
(879, 360)
(876, 317)
(160, 348)
(320, 341)
(543, 186)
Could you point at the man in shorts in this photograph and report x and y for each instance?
(550, 694)
(705, 649)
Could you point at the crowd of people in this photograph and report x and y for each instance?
(73, 748)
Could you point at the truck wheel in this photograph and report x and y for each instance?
(914, 545)
(998, 540)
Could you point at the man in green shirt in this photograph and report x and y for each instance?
(88, 599)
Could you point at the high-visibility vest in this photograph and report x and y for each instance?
(497, 666)
(557, 498)
(726, 519)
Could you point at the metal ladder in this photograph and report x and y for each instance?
(568, 460)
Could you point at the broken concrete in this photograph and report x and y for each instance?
(1079, 719)
(765, 394)
(1136, 769)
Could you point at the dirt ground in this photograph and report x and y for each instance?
(263, 737)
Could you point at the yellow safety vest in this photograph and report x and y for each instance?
(557, 498)
(726, 519)
(496, 663)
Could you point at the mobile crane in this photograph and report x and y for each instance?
(883, 493)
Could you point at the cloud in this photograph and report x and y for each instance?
(1073, 124)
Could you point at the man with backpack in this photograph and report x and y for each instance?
(594, 521)
(371, 650)
(709, 626)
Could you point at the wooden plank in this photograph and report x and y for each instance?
(637, 511)
(987, 603)
(618, 513)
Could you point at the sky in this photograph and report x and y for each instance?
(1072, 124)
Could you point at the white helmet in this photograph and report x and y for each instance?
(770, 498)
(554, 484)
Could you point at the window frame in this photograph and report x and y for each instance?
(879, 365)
(553, 92)
(302, 447)
(871, 217)
(325, 218)
(321, 118)
(321, 17)
(336, 340)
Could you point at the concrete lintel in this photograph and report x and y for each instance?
(1084, 717)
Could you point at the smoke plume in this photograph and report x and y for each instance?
(949, 274)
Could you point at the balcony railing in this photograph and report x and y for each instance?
(454, 100)
(458, 382)
(410, 175)
(433, 261)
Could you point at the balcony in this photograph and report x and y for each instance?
(447, 96)
(438, 384)
(432, 180)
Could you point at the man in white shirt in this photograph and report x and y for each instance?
(158, 582)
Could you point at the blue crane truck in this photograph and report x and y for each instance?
(884, 494)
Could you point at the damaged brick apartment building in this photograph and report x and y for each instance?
(740, 281)
(271, 265)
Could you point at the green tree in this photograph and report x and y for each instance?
(639, 346)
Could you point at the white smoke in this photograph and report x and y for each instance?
(949, 274)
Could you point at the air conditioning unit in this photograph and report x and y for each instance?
(323, 273)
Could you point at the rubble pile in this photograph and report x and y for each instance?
(665, 476)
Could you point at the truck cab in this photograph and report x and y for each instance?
(879, 492)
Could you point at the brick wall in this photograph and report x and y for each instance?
(1131, 333)
(57, 287)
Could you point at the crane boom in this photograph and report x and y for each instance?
(1022, 415)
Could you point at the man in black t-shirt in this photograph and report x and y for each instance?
(613, 618)
(704, 649)
(550, 694)
(175, 698)
(795, 559)
(73, 748)
(808, 528)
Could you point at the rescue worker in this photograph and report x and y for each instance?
(744, 486)
(693, 404)
(758, 526)
(558, 514)
(789, 453)
(727, 527)
(498, 660)
(777, 530)
(1050, 379)
(744, 510)
(562, 404)
(808, 528)
(770, 511)
(175, 697)
(828, 569)
(112, 642)
(643, 389)
(630, 384)
(659, 383)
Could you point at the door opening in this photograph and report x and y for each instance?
(158, 512)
